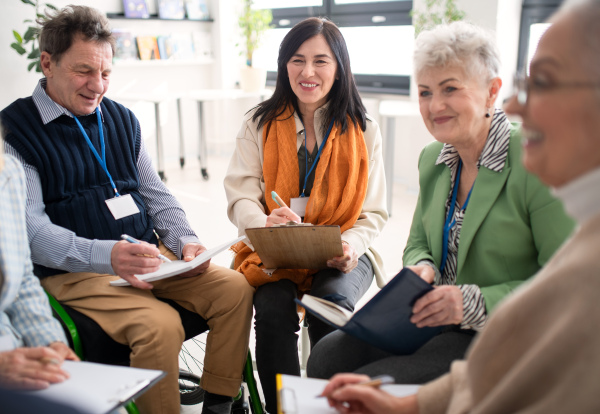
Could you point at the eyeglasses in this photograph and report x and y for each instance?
(524, 85)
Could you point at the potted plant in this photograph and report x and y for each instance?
(436, 12)
(254, 23)
(28, 42)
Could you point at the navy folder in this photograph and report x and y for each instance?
(384, 321)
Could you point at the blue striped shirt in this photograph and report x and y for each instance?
(59, 248)
(25, 315)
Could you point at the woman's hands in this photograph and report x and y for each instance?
(425, 272)
(442, 306)
(347, 397)
(347, 262)
(282, 215)
(33, 368)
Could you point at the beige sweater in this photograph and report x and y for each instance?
(540, 352)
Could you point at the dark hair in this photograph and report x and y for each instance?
(60, 29)
(344, 97)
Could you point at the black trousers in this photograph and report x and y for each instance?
(277, 322)
(339, 352)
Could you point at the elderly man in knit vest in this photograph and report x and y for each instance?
(90, 180)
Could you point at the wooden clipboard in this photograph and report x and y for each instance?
(296, 247)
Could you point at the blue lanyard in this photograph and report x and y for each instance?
(102, 160)
(306, 170)
(450, 222)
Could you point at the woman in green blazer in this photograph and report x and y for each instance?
(482, 225)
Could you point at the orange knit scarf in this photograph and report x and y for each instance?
(336, 198)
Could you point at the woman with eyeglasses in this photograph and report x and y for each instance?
(482, 225)
(539, 350)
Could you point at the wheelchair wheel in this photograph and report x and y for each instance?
(190, 372)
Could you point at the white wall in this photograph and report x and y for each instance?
(223, 118)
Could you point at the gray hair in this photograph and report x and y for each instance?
(458, 43)
(60, 29)
(587, 30)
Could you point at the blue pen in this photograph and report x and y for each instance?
(134, 241)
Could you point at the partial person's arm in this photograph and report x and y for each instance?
(243, 183)
(170, 221)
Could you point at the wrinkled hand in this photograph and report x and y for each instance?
(64, 351)
(425, 272)
(190, 251)
(347, 262)
(347, 397)
(31, 368)
(442, 306)
(129, 259)
(281, 216)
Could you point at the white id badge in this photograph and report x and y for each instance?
(298, 205)
(122, 206)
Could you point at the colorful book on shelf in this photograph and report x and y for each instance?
(136, 9)
(384, 321)
(125, 48)
(147, 47)
(165, 47)
(197, 10)
(171, 9)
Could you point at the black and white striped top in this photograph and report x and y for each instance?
(492, 157)
(83, 255)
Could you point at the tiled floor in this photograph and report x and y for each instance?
(206, 206)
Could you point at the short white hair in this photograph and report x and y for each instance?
(458, 43)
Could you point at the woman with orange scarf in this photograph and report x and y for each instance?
(312, 143)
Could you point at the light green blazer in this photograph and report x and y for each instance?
(512, 225)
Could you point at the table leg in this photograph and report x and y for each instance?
(202, 148)
(159, 144)
(181, 144)
(388, 160)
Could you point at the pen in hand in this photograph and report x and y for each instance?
(278, 199)
(374, 382)
(132, 240)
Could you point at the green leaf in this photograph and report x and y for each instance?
(17, 36)
(38, 67)
(31, 66)
(27, 21)
(35, 53)
(28, 2)
(40, 16)
(20, 49)
(31, 33)
(51, 7)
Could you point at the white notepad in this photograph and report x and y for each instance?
(99, 388)
(178, 267)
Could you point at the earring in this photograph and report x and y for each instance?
(487, 113)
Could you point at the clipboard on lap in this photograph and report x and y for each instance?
(296, 246)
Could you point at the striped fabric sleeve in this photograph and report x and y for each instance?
(474, 313)
(170, 221)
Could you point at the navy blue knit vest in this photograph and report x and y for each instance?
(74, 184)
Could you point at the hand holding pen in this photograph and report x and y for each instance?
(134, 257)
(135, 241)
(281, 215)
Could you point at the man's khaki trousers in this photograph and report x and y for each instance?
(153, 330)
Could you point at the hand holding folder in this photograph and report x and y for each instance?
(384, 321)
